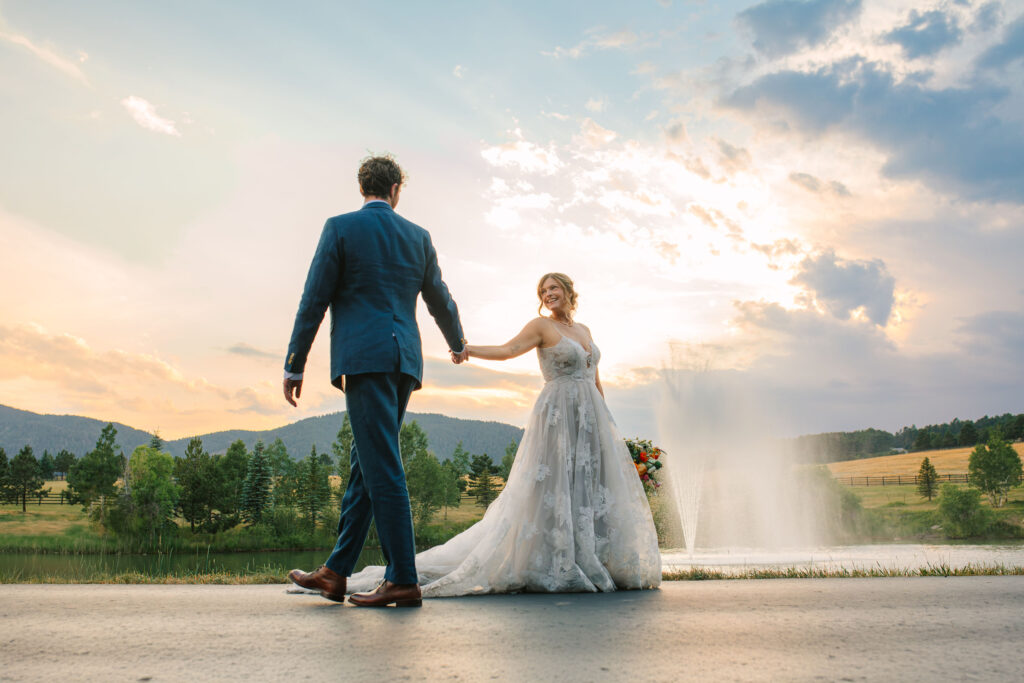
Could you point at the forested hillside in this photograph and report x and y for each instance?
(78, 434)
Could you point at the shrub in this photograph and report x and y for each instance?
(961, 512)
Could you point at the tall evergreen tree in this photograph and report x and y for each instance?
(282, 474)
(198, 481)
(968, 434)
(314, 488)
(155, 442)
(63, 462)
(231, 469)
(256, 492)
(927, 480)
(25, 480)
(46, 466)
(342, 448)
(93, 478)
(5, 478)
(481, 482)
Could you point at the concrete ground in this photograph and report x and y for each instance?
(899, 629)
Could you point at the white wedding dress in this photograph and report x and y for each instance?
(572, 517)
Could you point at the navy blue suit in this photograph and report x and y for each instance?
(369, 268)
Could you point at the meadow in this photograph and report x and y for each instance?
(945, 461)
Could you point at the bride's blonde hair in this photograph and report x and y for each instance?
(565, 282)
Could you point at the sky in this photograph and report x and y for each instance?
(820, 203)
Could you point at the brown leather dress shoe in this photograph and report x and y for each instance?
(387, 593)
(330, 584)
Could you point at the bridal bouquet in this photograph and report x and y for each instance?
(647, 458)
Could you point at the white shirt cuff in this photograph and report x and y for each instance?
(292, 375)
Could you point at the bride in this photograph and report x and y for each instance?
(573, 515)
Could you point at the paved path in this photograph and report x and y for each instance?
(817, 629)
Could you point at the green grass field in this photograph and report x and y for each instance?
(67, 528)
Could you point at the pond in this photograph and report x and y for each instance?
(907, 556)
(27, 566)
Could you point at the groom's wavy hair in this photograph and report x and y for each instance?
(378, 174)
(565, 281)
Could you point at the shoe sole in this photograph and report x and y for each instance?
(333, 596)
(396, 603)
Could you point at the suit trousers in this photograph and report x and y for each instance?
(376, 403)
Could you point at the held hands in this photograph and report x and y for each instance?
(292, 385)
(461, 357)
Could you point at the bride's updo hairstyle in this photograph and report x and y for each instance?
(565, 281)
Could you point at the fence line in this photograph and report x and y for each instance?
(899, 479)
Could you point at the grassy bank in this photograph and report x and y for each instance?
(900, 513)
(270, 575)
(67, 529)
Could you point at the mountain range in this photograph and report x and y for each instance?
(52, 433)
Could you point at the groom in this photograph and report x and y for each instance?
(369, 267)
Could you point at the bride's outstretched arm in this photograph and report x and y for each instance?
(530, 337)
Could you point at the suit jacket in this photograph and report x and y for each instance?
(369, 268)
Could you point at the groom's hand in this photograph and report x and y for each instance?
(460, 357)
(292, 385)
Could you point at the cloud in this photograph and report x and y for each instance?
(522, 154)
(999, 333)
(925, 33)
(145, 115)
(243, 349)
(596, 104)
(988, 17)
(594, 134)
(823, 373)
(1007, 51)
(598, 41)
(731, 158)
(48, 56)
(847, 289)
(459, 71)
(818, 186)
(66, 373)
(949, 137)
(782, 27)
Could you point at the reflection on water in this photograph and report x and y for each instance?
(28, 566)
(884, 556)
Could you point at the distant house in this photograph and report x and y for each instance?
(897, 451)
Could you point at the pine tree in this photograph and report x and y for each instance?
(231, 469)
(63, 462)
(5, 477)
(93, 477)
(25, 480)
(197, 479)
(481, 483)
(46, 465)
(256, 492)
(927, 479)
(314, 489)
(342, 448)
